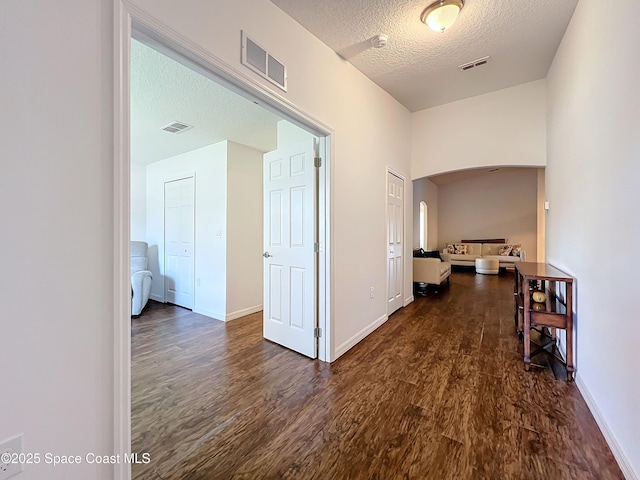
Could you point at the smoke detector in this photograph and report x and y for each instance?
(379, 41)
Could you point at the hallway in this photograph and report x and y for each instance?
(437, 392)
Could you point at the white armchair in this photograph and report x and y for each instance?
(140, 277)
(430, 270)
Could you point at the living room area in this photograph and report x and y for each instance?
(495, 213)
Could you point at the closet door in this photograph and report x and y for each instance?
(395, 242)
(179, 231)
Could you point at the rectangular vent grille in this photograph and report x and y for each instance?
(263, 63)
(256, 56)
(177, 127)
(476, 63)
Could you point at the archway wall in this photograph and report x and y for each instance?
(502, 128)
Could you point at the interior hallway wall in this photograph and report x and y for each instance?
(244, 231)
(57, 213)
(209, 167)
(138, 202)
(592, 185)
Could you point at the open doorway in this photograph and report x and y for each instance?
(289, 119)
(197, 177)
(224, 156)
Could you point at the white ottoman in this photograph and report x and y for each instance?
(488, 266)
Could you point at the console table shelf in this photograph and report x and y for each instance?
(556, 312)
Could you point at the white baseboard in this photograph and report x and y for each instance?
(346, 346)
(407, 301)
(242, 313)
(157, 298)
(208, 313)
(618, 453)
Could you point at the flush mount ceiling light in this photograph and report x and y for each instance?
(440, 15)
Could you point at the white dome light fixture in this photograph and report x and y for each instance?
(440, 15)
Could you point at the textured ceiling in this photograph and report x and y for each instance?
(419, 66)
(164, 91)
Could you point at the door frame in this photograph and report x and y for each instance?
(130, 20)
(394, 172)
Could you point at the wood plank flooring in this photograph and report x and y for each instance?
(437, 392)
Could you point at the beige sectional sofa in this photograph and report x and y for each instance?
(482, 250)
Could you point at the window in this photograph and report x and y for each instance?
(423, 225)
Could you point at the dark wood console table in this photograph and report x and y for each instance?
(555, 312)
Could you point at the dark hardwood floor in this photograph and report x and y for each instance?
(437, 392)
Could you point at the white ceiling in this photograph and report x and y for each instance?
(419, 66)
(164, 91)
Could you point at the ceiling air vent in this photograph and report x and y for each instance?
(177, 127)
(263, 63)
(476, 63)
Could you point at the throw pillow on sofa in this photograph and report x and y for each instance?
(510, 250)
(515, 250)
(449, 248)
(460, 248)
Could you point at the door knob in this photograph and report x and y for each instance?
(267, 255)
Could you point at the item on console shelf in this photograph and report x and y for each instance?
(538, 307)
(538, 296)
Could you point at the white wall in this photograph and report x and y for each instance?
(59, 389)
(228, 227)
(592, 186)
(502, 204)
(61, 378)
(290, 134)
(244, 231)
(209, 165)
(56, 191)
(541, 222)
(371, 132)
(138, 202)
(424, 190)
(506, 127)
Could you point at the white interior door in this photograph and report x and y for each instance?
(290, 258)
(179, 230)
(395, 242)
